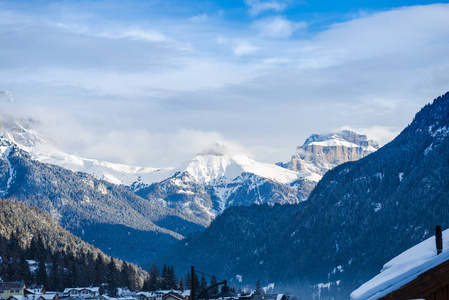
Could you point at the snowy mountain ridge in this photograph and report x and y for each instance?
(217, 165)
(26, 138)
(213, 180)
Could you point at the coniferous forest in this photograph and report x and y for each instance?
(35, 249)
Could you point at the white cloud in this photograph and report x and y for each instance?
(199, 18)
(7, 95)
(257, 7)
(244, 48)
(278, 27)
(134, 33)
(162, 76)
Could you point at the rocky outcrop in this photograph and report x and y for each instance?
(323, 152)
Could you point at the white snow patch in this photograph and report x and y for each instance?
(239, 278)
(401, 176)
(5, 151)
(335, 143)
(377, 207)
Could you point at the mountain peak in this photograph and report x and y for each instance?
(322, 152)
(344, 137)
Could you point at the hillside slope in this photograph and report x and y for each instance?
(360, 215)
(33, 234)
(97, 210)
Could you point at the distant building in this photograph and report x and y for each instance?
(47, 296)
(146, 296)
(35, 289)
(8, 289)
(266, 297)
(83, 292)
(173, 296)
(164, 295)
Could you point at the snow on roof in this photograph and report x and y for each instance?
(48, 296)
(146, 294)
(92, 289)
(404, 268)
(19, 297)
(279, 296)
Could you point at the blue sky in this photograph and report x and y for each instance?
(154, 82)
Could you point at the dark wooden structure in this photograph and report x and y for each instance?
(430, 285)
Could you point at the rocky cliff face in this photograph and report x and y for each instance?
(323, 152)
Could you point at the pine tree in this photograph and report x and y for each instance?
(188, 281)
(214, 290)
(196, 282)
(181, 284)
(154, 278)
(41, 274)
(202, 287)
(111, 279)
(172, 278)
(259, 290)
(165, 278)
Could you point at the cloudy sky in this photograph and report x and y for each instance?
(153, 82)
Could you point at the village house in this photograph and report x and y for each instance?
(421, 272)
(8, 289)
(146, 296)
(35, 289)
(164, 295)
(173, 296)
(83, 292)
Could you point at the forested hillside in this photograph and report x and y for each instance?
(60, 259)
(360, 215)
(98, 211)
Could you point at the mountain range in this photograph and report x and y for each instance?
(152, 208)
(214, 179)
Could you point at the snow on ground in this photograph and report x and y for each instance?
(4, 151)
(334, 143)
(114, 173)
(404, 268)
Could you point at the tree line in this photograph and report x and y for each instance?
(58, 269)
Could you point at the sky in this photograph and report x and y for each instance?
(152, 83)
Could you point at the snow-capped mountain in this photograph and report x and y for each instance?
(213, 180)
(217, 179)
(323, 152)
(21, 133)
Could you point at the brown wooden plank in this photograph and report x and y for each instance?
(424, 285)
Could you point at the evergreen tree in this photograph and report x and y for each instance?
(188, 281)
(196, 282)
(154, 278)
(41, 274)
(165, 278)
(202, 287)
(214, 290)
(172, 278)
(111, 279)
(181, 284)
(259, 290)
